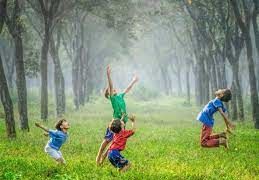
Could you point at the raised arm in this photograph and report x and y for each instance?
(134, 80)
(227, 122)
(133, 124)
(42, 127)
(109, 80)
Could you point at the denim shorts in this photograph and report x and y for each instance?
(54, 153)
(117, 159)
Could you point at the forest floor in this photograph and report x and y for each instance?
(165, 146)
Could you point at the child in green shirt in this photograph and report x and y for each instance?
(119, 111)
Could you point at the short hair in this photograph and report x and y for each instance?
(115, 126)
(227, 95)
(59, 123)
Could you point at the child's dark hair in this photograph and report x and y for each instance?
(59, 123)
(115, 126)
(227, 95)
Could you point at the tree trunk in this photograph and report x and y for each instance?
(9, 64)
(197, 84)
(214, 83)
(238, 90)
(59, 89)
(21, 83)
(87, 70)
(207, 67)
(256, 34)
(44, 73)
(15, 29)
(81, 77)
(58, 76)
(188, 84)
(82, 68)
(252, 79)
(7, 103)
(234, 101)
(48, 11)
(10, 74)
(164, 74)
(179, 81)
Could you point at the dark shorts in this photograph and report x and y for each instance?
(117, 159)
(108, 134)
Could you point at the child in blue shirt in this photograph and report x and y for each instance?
(206, 117)
(57, 138)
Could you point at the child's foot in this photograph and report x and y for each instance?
(223, 142)
(223, 135)
(125, 168)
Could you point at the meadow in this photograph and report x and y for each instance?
(165, 146)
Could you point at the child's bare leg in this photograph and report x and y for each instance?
(223, 142)
(219, 135)
(104, 155)
(125, 168)
(101, 150)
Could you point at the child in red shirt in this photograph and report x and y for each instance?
(119, 142)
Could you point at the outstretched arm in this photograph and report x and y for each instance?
(42, 127)
(133, 122)
(109, 80)
(134, 80)
(227, 122)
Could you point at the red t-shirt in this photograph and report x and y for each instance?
(120, 139)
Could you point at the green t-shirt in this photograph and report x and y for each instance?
(119, 106)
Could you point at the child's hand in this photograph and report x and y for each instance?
(132, 118)
(135, 78)
(37, 124)
(46, 134)
(108, 69)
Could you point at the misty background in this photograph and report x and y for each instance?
(185, 48)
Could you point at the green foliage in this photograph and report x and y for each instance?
(165, 146)
(9, 175)
(31, 63)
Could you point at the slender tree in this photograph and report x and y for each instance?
(244, 25)
(4, 91)
(15, 29)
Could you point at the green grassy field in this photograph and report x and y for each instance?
(165, 146)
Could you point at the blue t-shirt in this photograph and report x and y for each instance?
(57, 138)
(206, 115)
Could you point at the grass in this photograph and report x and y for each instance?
(165, 146)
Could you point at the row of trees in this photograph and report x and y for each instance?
(69, 27)
(221, 29)
(209, 39)
(185, 46)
